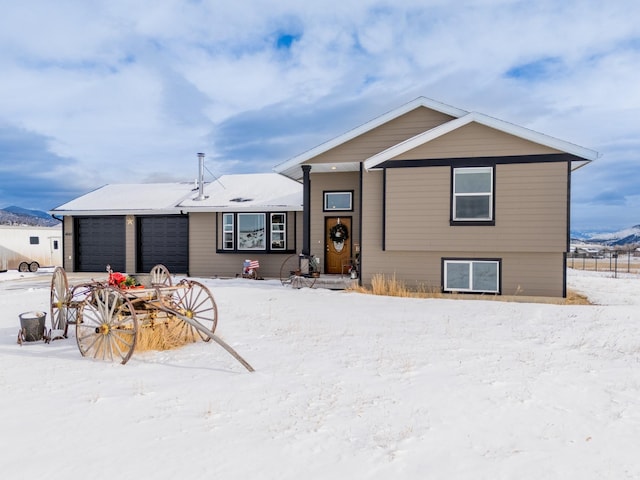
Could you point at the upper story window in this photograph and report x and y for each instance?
(338, 201)
(472, 194)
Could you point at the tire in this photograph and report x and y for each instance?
(23, 267)
(33, 266)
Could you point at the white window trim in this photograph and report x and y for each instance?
(471, 263)
(228, 229)
(283, 231)
(472, 194)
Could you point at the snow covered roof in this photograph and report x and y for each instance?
(292, 168)
(242, 192)
(248, 192)
(128, 199)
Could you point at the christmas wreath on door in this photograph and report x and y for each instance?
(338, 234)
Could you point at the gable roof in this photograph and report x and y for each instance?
(476, 117)
(253, 192)
(292, 168)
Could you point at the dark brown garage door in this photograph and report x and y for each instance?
(99, 241)
(165, 240)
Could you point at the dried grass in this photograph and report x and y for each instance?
(165, 334)
(391, 286)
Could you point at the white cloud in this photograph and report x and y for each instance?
(134, 88)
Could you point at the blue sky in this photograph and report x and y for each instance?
(96, 92)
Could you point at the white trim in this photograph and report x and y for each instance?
(290, 165)
(472, 194)
(470, 263)
(487, 121)
(283, 231)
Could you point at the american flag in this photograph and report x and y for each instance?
(252, 264)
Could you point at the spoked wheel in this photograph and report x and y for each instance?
(290, 275)
(107, 326)
(160, 276)
(59, 300)
(195, 302)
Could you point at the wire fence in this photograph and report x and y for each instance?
(620, 261)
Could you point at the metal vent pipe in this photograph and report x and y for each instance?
(200, 177)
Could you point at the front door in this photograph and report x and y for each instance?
(337, 243)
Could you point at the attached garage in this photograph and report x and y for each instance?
(100, 241)
(163, 239)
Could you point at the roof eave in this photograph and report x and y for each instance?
(587, 154)
(289, 168)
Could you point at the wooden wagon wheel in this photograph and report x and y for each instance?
(107, 326)
(59, 300)
(160, 276)
(195, 302)
(290, 275)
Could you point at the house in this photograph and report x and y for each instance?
(201, 230)
(28, 248)
(442, 198)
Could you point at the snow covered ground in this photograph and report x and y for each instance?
(346, 386)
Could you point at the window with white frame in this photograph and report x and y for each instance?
(251, 231)
(338, 201)
(473, 194)
(278, 231)
(227, 231)
(481, 276)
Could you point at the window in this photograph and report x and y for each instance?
(338, 201)
(34, 240)
(278, 231)
(55, 244)
(482, 276)
(254, 231)
(227, 231)
(473, 194)
(251, 231)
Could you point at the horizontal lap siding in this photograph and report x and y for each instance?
(206, 262)
(202, 244)
(383, 137)
(525, 274)
(531, 273)
(530, 210)
(475, 140)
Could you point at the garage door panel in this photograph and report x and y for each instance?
(165, 240)
(100, 241)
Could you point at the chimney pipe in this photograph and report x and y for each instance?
(200, 177)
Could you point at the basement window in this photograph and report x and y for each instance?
(471, 276)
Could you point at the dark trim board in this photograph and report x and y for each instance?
(478, 161)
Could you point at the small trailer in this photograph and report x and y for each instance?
(112, 318)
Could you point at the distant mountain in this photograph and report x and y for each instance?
(21, 216)
(627, 236)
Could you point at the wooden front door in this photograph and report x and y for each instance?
(337, 252)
